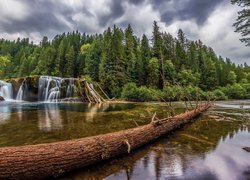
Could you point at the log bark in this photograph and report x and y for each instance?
(54, 159)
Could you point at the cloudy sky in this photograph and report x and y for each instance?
(208, 20)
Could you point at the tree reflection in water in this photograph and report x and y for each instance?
(50, 118)
(195, 152)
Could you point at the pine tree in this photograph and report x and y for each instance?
(93, 58)
(70, 61)
(180, 50)
(130, 53)
(153, 76)
(23, 71)
(209, 79)
(157, 52)
(145, 57)
(242, 24)
(60, 59)
(112, 70)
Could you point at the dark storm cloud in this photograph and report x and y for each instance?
(41, 18)
(116, 11)
(198, 10)
(136, 1)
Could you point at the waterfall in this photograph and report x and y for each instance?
(19, 96)
(6, 90)
(70, 88)
(49, 88)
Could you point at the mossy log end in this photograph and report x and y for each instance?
(53, 159)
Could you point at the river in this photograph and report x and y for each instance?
(208, 148)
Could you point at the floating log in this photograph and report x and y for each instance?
(54, 159)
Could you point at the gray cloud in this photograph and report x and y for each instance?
(208, 20)
(116, 11)
(198, 10)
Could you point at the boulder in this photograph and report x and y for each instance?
(1, 98)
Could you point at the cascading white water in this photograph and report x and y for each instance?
(49, 88)
(6, 90)
(70, 88)
(19, 96)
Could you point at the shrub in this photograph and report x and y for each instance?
(131, 92)
(235, 91)
(219, 95)
(246, 86)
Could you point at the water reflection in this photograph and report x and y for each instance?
(208, 148)
(166, 161)
(205, 149)
(4, 114)
(32, 123)
(50, 118)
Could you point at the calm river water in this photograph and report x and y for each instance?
(208, 148)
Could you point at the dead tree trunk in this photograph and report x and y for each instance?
(53, 159)
(87, 93)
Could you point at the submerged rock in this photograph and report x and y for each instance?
(1, 99)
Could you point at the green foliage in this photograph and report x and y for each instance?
(235, 91)
(93, 58)
(219, 95)
(171, 93)
(5, 64)
(209, 79)
(187, 77)
(117, 57)
(145, 57)
(169, 71)
(153, 73)
(70, 62)
(131, 92)
(158, 54)
(85, 48)
(177, 92)
(231, 79)
(112, 72)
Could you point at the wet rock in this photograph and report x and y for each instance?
(247, 149)
(1, 99)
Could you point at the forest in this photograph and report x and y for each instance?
(160, 67)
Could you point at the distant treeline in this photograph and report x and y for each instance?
(116, 58)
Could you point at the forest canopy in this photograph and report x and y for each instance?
(117, 58)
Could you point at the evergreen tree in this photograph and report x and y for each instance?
(181, 50)
(169, 71)
(157, 52)
(209, 75)
(70, 57)
(145, 57)
(153, 76)
(242, 24)
(231, 78)
(130, 53)
(116, 58)
(93, 58)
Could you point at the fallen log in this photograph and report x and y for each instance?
(54, 159)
